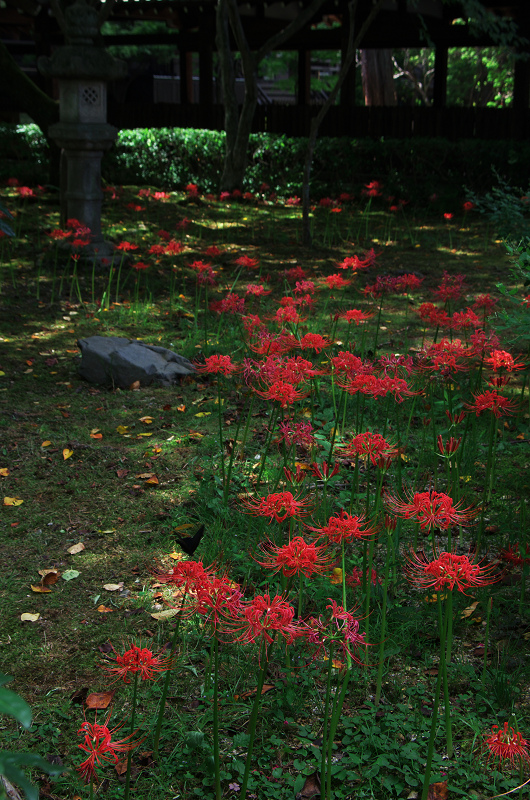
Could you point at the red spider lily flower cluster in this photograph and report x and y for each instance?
(261, 619)
(431, 509)
(491, 401)
(187, 575)
(300, 433)
(340, 631)
(137, 660)
(126, 246)
(214, 596)
(344, 527)
(448, 570)
(336, 281)
(213, 365)
(452, 287)
(375, 386)
(231, 304)
(295, 558)
(278, 506)
(247, 261)
(355, 578)
(101, 748)
(282, 392)
(314, 341)
(513, 556)
(501, 360)
(354, 315)
(369, 445)
(506, 747)
(448, 448)
(324, 472)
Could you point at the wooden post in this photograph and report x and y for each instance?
(440, 77)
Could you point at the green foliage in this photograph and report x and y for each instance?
(507, 208)
(514, 320)
(10, 763)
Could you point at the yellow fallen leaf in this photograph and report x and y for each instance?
(184, 527)
(469, 610)
(1, 373)
(336, 576)
(103, 609)
(29, 617)
(167, 614)
(4, 472)
(76, 548)
(12, 501)
(122, 429)
(47, 443)
(94, 430)
(144, 434)
(146, 420)
(145, 476)
(67, 453)
(176, 556)
(181, 408)
(203, 414)
(153, 480)
(96, 436)
(40, 588)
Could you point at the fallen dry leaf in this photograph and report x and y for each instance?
(181, 408)
(135, 386)
(4, 472)
(47, 443)
(67, 453)
(146, 420)
(99, 700)
(168, 613)
(49, 576)
(469, 610)
(438, 791)
(144, 476)
(311, 787)
(29, 617)
(113, 587)
(152, 481)
(40, 588)
(104, 609)
(76, 548)
(122, 429)
(96, 436)
(13, 501)
(122, 473)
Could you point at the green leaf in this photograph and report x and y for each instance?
(9, 767)
(12, 704)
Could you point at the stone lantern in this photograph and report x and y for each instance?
(83, 69)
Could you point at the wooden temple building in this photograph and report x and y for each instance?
(190, 96)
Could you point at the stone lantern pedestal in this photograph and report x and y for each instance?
(82, 70)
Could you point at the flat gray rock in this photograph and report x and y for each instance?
(113, 361)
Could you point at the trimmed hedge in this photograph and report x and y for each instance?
(170, 158)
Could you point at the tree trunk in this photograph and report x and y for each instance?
(378, 78)
(42, 109)
(238, 125)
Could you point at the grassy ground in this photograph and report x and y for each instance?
(123, 472)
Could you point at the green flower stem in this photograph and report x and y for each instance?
(274, 416)
(343, 565)
(432, 737)
(447, 648)
(264, 660)
(226, 488)
(118, 279)
(487, 640)
(129, 755)
(220, 420)
(167, 678)
(326, 723)
(335, 717)
(381, 658)
(92, 788)
(216, 753)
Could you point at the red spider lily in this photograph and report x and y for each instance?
(144, 193)
(373, 189)
(378, 386)
(161, 196)
(294, 477)
(188, 575)
(297, 557)
(456, 419)
(491, 401)
(369, 445)
(217, 364)
(293, 201)
(183, 224)
(253, 324)
(323, 472)
(288, 314)
(355, 578)
(283, 393)
(192, 190)
(431, 509)
(231, 304)
(486, 302)
(452, 287)
(296, 433)
(257, 290)
(25, 191)
(448, 216)
(139, 660)
(336, 281)
(344, 527)
(304, 287)
(447, 356)
(500, 359)
(126, 246)
(173, 248)
(270, 343)
(481, 341)
(340, 630)
(382, 285)
(512, 555)
(58, 235)
(294, 274)
(278, 506)
(434, 316)
(408, 282)
(448, 570)
(450, 447)
(260, 619)
(355, 315)
(98, 743)
(506, 746)
(247, 261)
(140, 265)
(325, 202)
(465, 319)
(78, 242)
(293, 370)
(212, 251)
(157, 250)
(468, 205)
(215, 596)
(135, 207)
(397, 363)
(165, 235)
(314, 341)
(350, 364)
